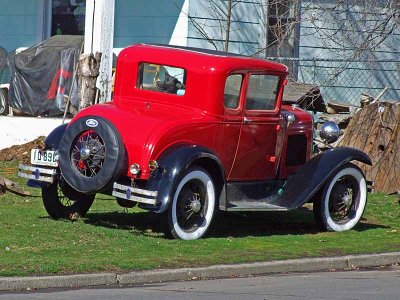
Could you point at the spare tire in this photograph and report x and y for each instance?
(92, 154)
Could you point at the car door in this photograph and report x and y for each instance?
(256, 155)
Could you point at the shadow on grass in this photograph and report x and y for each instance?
(296, 222)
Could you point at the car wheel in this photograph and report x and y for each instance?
(3, 102)
(192, 206)
(63, 202)
(92, 155)
(342, 200)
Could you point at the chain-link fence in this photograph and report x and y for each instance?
(344, 80)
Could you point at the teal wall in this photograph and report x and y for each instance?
(18, 22)
(150, 21)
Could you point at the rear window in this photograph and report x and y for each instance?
(162, 78)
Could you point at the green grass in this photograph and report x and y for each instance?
(111, 239)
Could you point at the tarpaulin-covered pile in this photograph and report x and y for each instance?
(41, 76)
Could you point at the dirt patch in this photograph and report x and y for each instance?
(20, 153)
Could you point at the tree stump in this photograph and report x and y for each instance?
(88, 71)
(375, 129)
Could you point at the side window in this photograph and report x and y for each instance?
(161, 78)
(262, 92)
(233, 85)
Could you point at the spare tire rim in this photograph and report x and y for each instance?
(88, 153)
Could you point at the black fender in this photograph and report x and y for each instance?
(172, 163)
(52, 141)
(54, 137)
(302, 186)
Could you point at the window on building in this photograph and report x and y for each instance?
(233, 85)
(282, 26)
(68, 17)
(161, 78)
(262, 92)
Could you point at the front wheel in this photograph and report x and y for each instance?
(63, 202)
(192, 207)
(342, 200)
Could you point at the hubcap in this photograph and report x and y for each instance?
(195, 205)
(85, 153)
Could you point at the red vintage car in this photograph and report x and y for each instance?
(192, 131)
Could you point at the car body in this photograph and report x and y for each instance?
(190, 131)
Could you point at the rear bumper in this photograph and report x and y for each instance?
(37, 173)
(134, 194)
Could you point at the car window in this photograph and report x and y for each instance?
(161, 78)
(262, 92)
(233, 85)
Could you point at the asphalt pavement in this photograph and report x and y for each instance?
(375, 284)
(350, 262)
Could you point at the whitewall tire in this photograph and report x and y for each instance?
(192, 208)
(342, 200)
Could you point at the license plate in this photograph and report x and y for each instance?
(43, 158)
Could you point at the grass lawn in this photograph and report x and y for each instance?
(110, 238)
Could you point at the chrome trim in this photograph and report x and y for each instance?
(42, 174)
(134, 194)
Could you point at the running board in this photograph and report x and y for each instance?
(244, 205)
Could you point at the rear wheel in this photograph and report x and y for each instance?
(342, 200)
(63, 202)
(192, 207)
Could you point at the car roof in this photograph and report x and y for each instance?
(197, 58)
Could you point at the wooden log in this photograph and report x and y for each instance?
(88, 71)
(375, 129)
(12, 187)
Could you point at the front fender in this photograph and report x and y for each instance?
(172, 163)
(54, 137)
(302, 185)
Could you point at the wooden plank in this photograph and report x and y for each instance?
(12, 187)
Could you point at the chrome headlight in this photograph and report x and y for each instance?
(329, 132)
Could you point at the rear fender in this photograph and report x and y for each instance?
(54, 138)
(52, 142)
(308, 179)
(172, 163)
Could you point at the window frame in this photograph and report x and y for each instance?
(278, 99)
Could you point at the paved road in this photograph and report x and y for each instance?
(384, 284)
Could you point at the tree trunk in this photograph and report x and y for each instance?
(88, 71)
(375, 129)
(228, 26)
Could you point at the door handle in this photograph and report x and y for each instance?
(246, 121)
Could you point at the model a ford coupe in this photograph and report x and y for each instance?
(189, 132)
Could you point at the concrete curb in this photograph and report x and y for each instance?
(217, 271)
